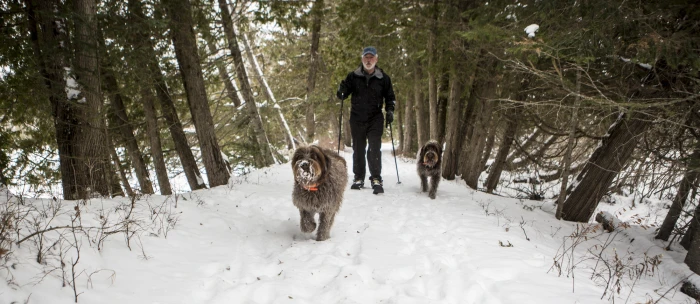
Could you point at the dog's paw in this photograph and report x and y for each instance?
(322, 237)
(431, 195)
(308, 227)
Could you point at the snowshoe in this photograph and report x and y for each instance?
(377, 186)
(357, 184)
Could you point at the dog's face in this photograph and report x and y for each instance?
(309, 165)
(430, 154)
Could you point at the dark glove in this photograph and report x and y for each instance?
(341, 91)
(389, 117)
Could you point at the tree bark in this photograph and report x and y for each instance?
(453, 138)
(268, 93)
(119, 168)
(443, 96)
(409, 129)
(490, 141)
(475, 121)
(149, 111)
(602, 167)
(121, 120)
(471, 152)
(92, 170)
(317, 16)
(47, 40)
(184, 40)
(260, 136)
(500, 161)
(689, 178)
(692, 258)
(142, 43)
(432, 74)
(422, 116)
(690, 232)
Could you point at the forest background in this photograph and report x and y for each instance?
(576, 100)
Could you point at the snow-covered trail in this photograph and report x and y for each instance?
(242, 244)
(399, 247)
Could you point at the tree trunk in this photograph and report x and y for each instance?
(422, 116)
(119, 168)
(692, 258)
(126, 131)
(476, 120)
(231, 91)
(443, 96)
(149, 111)
(499, 163)
(260, 136)
(471, 152)
(142, 43)
(268, 93)
(690, 232)
(432, 74)
(450, 156)
(409, 129)
(317, 16)
(569, 147)
(602, 167)
(689, 178)
(47, 43)
(490, 141)
(92, 170)
(184, 40)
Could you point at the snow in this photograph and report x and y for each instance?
(241, 243)
(72, 88)
(531, 29)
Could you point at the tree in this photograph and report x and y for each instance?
(261, 138)
(140, 39)
(689, 179)
(602, 167)
(268, 93)
(121, 121)
(188, 60)
(500, 161)
(316, 15)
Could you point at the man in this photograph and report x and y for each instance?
(370, 88)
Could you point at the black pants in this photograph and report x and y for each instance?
(362, 134)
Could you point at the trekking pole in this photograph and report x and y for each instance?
(391, 132)
(340, 124)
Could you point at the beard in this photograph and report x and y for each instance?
(368, 65)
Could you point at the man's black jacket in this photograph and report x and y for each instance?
(368, 92)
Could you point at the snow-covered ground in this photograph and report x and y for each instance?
(241, 243)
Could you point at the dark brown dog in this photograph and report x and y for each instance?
(429, 161)
(320, 177)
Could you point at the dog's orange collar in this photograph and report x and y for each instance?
(313, 187)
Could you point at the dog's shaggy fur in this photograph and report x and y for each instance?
(320, 177)
(429, 161)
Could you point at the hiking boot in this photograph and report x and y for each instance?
(377, 186)
(357, 184)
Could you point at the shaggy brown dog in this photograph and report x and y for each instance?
(429, 161)
(320, 177)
